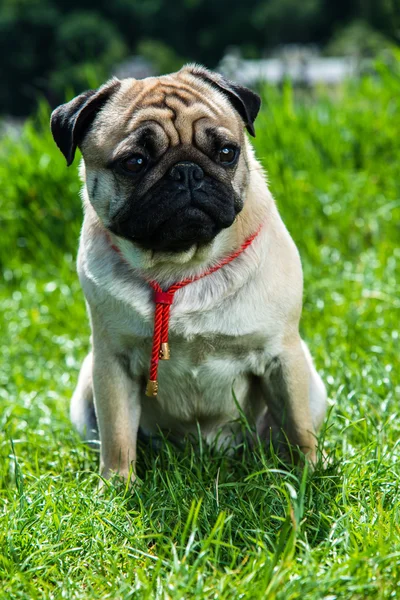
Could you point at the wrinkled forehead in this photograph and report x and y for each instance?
(169, 109)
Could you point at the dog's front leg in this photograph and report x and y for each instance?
(117, 402)
(286, 388)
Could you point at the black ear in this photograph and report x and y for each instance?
(69, 122)
(245, 101)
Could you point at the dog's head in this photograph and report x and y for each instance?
(165, 158)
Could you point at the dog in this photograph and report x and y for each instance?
(173, 194)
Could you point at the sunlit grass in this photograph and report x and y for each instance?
(204, 525)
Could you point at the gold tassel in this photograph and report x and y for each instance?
(151, 388)
(164, 351)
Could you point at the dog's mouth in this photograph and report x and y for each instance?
(174, 221)
(178, 233)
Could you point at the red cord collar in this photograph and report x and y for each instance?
(163, 301)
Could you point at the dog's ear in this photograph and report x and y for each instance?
(246, 102)
(70, 122)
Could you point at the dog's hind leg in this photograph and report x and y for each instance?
(82, 410)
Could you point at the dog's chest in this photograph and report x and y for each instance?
(205, 381)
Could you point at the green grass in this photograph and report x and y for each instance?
(202, 525)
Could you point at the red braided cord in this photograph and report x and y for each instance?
(162, 311)
(155, 351)
(165, 323)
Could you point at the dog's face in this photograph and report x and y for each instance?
(165, 158)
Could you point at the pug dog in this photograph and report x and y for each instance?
(174, 199)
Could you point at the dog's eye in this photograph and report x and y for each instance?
(134, 164)
(228, 155)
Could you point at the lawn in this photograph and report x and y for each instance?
(199, 524)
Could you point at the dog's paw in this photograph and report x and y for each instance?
(116, 477)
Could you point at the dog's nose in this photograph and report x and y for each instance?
(187, 173)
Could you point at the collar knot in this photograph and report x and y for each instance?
(163, 297)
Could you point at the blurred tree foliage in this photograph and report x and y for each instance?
(50, 46)
(358, 39)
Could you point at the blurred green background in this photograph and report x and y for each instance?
(50, 48)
